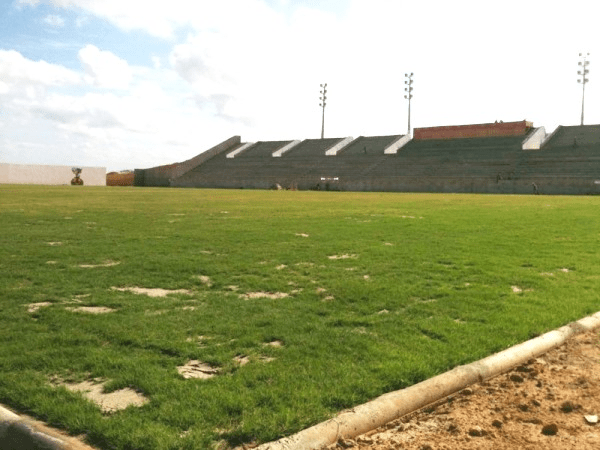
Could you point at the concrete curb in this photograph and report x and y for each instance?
(22, 433)
(378, 412)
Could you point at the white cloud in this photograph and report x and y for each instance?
(154, 121)
(104, 69)
(16, 69)
(54, 21)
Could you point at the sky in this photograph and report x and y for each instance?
(127, 84)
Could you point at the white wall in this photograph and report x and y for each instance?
(55, 175)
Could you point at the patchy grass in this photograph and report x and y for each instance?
(382, 290)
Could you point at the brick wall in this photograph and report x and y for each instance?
(119, 179)
(473, 131)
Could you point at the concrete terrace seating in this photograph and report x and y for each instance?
(570, 152)
(262, 149)
(466, 159)
(312, 147)
(255, 167)
(374, 145)
(567, 136)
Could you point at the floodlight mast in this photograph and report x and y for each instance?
(408, 96)
(323, 99)
(583, 72)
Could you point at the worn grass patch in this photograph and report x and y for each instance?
(300, 303)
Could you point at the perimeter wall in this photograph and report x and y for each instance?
(49, 175)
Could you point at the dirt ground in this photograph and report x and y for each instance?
(552, 402)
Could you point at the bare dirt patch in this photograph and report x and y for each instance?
(276, 344)
(104, 264)
(54, 244)
(205, 280)
(153, 292)
(302, 234)
(542, 404)
(108, 402)
(344, 256)
(269, 295)
(197, 369)
(33, 307)
(91, 309)
(242, 360)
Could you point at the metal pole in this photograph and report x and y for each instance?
(409, 114)
(323, 99)
(582, 103)
(408, 96)
(583, 72)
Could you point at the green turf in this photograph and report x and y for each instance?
(428, 285)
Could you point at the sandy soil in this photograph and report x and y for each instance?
(108, 402)
(551, 403)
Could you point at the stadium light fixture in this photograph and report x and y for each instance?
(323, 99)
(583, 80)
(408, 96)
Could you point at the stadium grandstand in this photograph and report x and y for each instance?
(511, 157)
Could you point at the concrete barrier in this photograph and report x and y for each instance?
(23, 433)
(395, 146)
(239, 150)
(339, 146)
(391, 406)
(535, 140)
(281, 151)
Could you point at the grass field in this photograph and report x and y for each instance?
(331, 298)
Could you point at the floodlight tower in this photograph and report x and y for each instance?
(323, 99)
(583, 72)
(408, 96)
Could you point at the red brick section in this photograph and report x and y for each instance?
(119, 179)
(473, 131)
